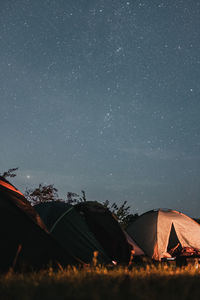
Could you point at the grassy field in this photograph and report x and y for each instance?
(161, 282)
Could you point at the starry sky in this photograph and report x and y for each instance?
(103, 95)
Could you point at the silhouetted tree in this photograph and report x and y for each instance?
(122, 212)
(10, 173)
(73, 198)
(43, 193)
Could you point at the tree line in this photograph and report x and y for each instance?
(49, 193)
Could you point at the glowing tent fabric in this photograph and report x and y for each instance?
(156, 232)
(25, 240)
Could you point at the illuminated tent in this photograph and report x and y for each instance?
(24, 237)
(69, 228)
(158, 231)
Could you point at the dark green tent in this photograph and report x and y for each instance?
(85, 228)
(24, 237)
(106, 230)
(69, 228)
(50, 212)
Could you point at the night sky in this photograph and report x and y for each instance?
(103, 95)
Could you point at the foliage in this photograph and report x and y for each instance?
(73, 198)
(48, 193)
(43, 193)
(122, 212)
(119, 211)
(10, 173)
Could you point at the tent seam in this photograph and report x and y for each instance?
(58, 220)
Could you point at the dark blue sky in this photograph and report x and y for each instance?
(103, 96)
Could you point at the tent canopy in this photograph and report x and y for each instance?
(69, 228)
(85, 228)
(158, 231)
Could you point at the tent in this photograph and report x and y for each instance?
(158, 231)
(106, 230)
(137, 250)
(24, 237)
(50, 212)
(69, 228)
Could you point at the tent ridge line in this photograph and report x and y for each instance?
(58, 220)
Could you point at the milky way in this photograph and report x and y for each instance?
(103, 96)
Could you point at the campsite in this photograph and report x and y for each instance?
(99, 149)
(55, 249)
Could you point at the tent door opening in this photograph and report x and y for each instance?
(173, 239)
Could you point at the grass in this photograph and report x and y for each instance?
(152, 282)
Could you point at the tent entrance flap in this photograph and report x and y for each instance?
(173, 239)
